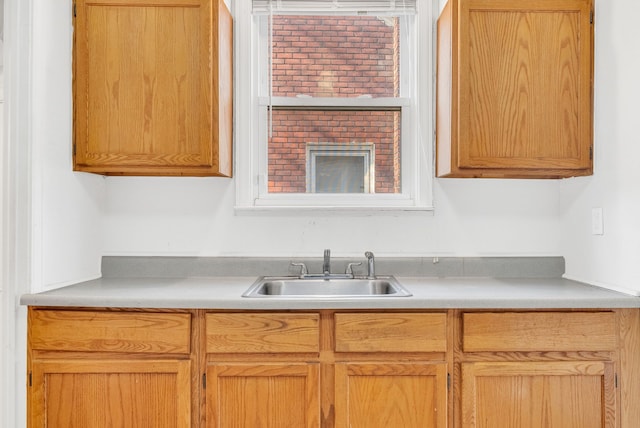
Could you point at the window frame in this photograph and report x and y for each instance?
(417, 124)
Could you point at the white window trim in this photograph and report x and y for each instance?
(250, 158)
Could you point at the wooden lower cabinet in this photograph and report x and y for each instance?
(109, 368)
(390, 369)
(531, 369)
(566, 394)
(384, 395)
(262, 370)
(333, 369)
(263, 395)
(118, 393)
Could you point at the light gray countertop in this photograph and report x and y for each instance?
(225, 292)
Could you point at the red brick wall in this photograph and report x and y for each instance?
(331, 56)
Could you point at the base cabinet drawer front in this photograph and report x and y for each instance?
(539, 331)
(386, 395)
(262, 333)
(574, 394)
(104, 331)
(253, 395)
(110, 393)
(391, 332)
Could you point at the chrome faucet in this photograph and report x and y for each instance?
(303, 269)
(326, 264)
(371, 265)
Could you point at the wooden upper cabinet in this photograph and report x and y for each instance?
(514, 92)
(152, 87)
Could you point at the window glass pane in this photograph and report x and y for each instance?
(339, 174)
(293, 131)
(335, 56)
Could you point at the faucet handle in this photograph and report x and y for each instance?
(371, 264)
(350, 266)
(302, 266)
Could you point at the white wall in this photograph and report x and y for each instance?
(611, 259)
(67, 207)
(194, 216)
(2, 156)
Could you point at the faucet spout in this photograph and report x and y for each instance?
(371, 264)
(326, 264)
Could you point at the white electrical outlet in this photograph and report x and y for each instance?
(597, 222)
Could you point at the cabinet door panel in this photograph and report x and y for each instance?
(146, 76)
(515, 84)
(245, 395)
(523, 107)
(536, 394)
(384, 395)
(116, 393)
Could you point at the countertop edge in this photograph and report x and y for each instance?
(224, 293)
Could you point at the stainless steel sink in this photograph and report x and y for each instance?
(326, 287)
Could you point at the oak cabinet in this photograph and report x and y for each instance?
(514, 91)
(282, 395)
(333, 369)
(152, 83)
(391, 332)
(263, 370)
(104, 369)
(391, 394)
(391, 370)
(110, 393)
(558, 394)
(533, 369)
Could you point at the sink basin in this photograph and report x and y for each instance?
(294, 287)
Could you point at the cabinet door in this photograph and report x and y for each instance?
(521, 102)
(152, 87)
(538, 394)
(110, 393)
(252, 395)
(385, 395)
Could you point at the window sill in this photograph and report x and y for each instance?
(328, 211)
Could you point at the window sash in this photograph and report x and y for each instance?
(364, 7)
(325, 103)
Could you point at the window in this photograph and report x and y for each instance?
(340, 168)
(337, 96)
